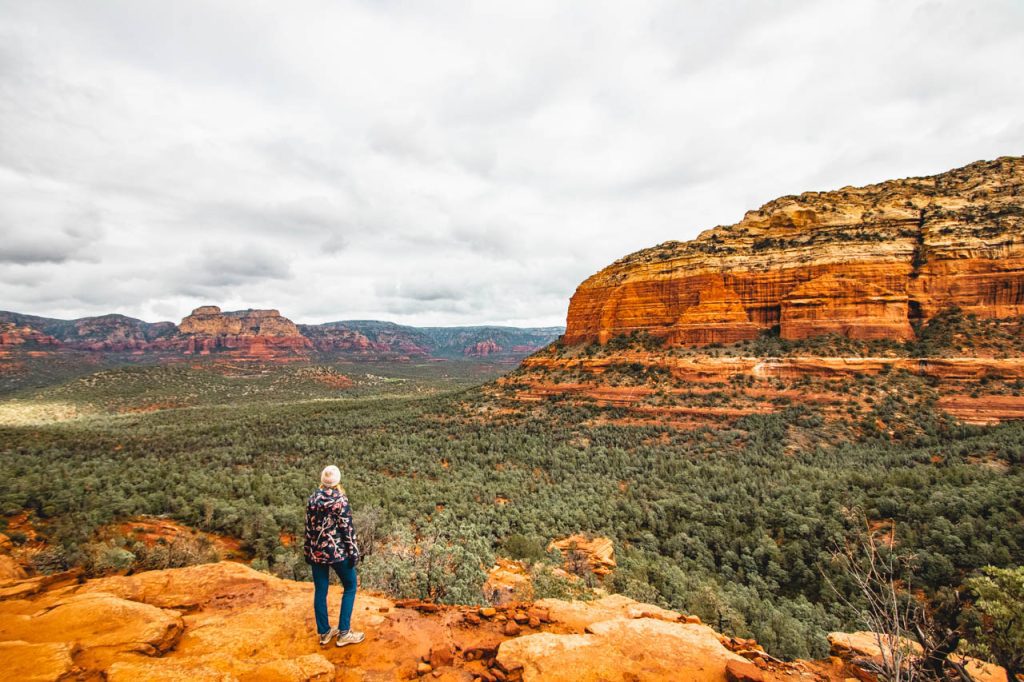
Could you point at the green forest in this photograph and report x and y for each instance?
(735, 524)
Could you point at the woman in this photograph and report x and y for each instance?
(331, 544)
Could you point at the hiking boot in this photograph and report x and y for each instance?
(350, 637)
(325, 638)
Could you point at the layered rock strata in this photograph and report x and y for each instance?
(861, 262)
(257, 333)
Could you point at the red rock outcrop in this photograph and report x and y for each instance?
(209, 320)
(598, 553)
(13, 335)
(683, 381)
(251, 333)
(226, 621)
(862, 262)
(850, 646)
(482, 349)
(257, 335)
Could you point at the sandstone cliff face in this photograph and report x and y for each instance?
(13, 335)
(209, 320)
(252, 333)
(862, 262)
(482, 349)
(116, 333)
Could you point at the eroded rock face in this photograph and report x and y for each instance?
(862, 262)
(209, 320)
(254, 333)
(14, 335)
(482, 349)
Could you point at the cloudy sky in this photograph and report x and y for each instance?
(451, 162)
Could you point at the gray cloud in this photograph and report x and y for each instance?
(218, 266)
(456, 163)
(44, 222)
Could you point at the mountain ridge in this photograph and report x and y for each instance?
(265, 332)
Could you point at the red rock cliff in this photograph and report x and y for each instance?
(250, 332)
(862, 262)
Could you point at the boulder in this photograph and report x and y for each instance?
(579, 615)
(619, 650)
(736, 671)
(868, 645)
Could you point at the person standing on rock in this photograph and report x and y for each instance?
(330, 543)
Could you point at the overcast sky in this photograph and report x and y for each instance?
(467, 163)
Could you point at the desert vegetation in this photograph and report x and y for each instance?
(733, 523)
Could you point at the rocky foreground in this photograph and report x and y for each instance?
(226, 621)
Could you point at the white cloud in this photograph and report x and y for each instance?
(461, 163)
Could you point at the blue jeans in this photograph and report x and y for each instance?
(346, 570)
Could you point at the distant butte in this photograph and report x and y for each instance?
(861, 262)
(922, 277)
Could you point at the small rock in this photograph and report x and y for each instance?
(512, 628)
(423, 668)
(543, 615)
(694, 620)
(472, 619)
(488, 611)
(440, 657)
(534, 622)
(742, 671)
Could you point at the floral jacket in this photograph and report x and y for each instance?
(330, 535)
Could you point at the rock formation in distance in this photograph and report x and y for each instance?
(863, 262)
